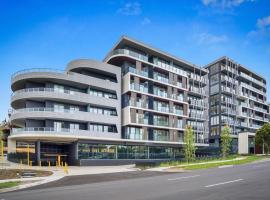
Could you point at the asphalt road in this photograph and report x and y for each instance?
(241, 182)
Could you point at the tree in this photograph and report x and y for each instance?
(226, 141)
(189, 146)
(262, 137)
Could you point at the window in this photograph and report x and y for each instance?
(74, 126)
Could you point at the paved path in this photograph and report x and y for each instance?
(241, 182)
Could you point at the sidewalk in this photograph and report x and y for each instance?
(58, 173)
(201, 163)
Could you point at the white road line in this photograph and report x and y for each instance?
(184, 177)
(237, 180)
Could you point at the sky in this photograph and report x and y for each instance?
(50, 33)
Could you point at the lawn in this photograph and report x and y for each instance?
(9, 184)
(247, 159)
(16, 173)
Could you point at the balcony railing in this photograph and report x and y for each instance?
(50, 130)
(57, 110)
(138, 87)
(44, 89)
(128, 52)
(252, 79)
(25, 71)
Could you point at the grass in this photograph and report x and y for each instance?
(16, 173)
(9, 184)
(198, 160)
(247, 159)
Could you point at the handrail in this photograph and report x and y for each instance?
(51, 109)
(24, 71)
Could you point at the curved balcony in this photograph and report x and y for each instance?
(50, 132)
(62, 114)
(72, 78)
(144, 58)
(64, 95)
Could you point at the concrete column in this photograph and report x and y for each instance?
(171, 121)
(116, 152)
(11, 146)
(145, 133)
(144, 99)
(37, 149)
(184, 82)
(76, 156)
(169, 91)
(170, 106)
(133, 115)
(133, 98)
(138, 66)
(137, 82)
(148, 152)
(170, 77)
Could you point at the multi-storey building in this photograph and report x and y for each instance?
(237, 98)
(134, 105)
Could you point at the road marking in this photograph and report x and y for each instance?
(223, 183)
(184, 177)
(225, 166)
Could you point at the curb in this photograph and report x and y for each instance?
(23, 186)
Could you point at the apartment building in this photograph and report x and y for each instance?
(237, 97)
(132, 106)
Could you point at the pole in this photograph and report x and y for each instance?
(2, 149)
(59, 160)
(49, 165)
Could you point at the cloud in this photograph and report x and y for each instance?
(131, 8)
(146, 21)
(263, 29)
(206, 38)
(263, 22)
(224, 3)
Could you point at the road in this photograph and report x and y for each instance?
(243, 182)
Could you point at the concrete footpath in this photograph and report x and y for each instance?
(58, 173)
(199, 163)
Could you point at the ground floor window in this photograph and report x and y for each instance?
(107, 151)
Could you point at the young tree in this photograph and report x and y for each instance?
(262, 137)
(226, 141)
(189, 146)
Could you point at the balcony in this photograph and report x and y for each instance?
(252, 88)
(228, 68)
(135, 71)
(178, 111)
(141, 120)
(138, 87)
(60, 132)
(170, 68)
(68, 95)
(160, 93)
(253, 79)
(161, 123)
(161, 109)
(160, 78)
(33, 70)
(127, 52)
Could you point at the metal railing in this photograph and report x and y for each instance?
(25, 71)
(128, 52)
(57, 110)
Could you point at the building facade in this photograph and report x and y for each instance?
(134, 105)
(237, 98)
